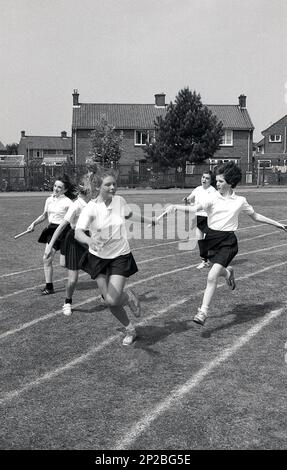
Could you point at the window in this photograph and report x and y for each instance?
(227, 138)
(141, 137)
(275, 138)
(264, 163)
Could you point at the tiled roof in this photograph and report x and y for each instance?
(231, 116)
(261, 142)
(275, 123)
(122, 116)
(142, 116)
(46, 142)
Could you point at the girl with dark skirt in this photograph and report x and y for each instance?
(220, 243)
(55, 209)
(197, 195)
(109, 259)
(71, 249)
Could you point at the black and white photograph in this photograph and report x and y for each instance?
(143, 209)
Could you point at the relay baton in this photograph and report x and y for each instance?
(21, 234)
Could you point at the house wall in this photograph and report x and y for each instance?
(239, 149)
(132, 153)
(81, 146)
(278, 128)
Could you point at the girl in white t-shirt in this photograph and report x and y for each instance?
(55, 209)
(198, 194)
(220, 243)
(71, 250)
(109, 259)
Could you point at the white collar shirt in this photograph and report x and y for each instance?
(107, 226)
(73, 213)
(56, 208)
(223, 212)
(200, 193)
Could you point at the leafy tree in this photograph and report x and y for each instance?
(105, 144)
(189, 132)
(12, 149)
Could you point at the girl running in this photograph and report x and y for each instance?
(109, 259)
(55, 209)
(220, 244)
(197, 195)
(71, 249)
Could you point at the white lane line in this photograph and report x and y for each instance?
(148, 246)
(81, 275)
(180, 392)
(49, 375)
(140, 262)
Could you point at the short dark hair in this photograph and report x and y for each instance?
(231, 172)
(212, 177)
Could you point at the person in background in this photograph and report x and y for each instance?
(55, 209)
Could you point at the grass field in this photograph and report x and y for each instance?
(68, 383)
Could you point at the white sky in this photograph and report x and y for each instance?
(127, 50)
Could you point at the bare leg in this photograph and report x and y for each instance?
(71, 283)
(212, 279)
(112, 291)
(48, 267)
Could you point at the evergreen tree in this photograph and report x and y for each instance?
(189, 132)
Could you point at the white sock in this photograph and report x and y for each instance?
(130, 328)
(204, 309)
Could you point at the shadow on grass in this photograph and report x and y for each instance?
(152, 334)
(242, 313)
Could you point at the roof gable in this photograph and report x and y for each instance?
(142, 116)
(284, 118)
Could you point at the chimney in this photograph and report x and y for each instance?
(160, 99)
(76, 98)
(23, 134)
(64, 134)
(242, 101)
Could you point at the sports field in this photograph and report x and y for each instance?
(68, 383)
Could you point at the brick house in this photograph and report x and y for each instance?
(136, 122)
(47, 150)
(273, 147)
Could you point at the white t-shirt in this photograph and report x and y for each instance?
(107, 227)
(200, 194)
(73, 213)
(223, 212)
(56, 208)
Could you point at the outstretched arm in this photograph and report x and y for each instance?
(265, 220)
(141, 218)
(193, 208)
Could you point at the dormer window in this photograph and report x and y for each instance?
(275, 138)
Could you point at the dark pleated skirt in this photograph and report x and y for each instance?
(48, 232)
(201, 223)
(123, 265)
(73, 251)
(218, 247)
